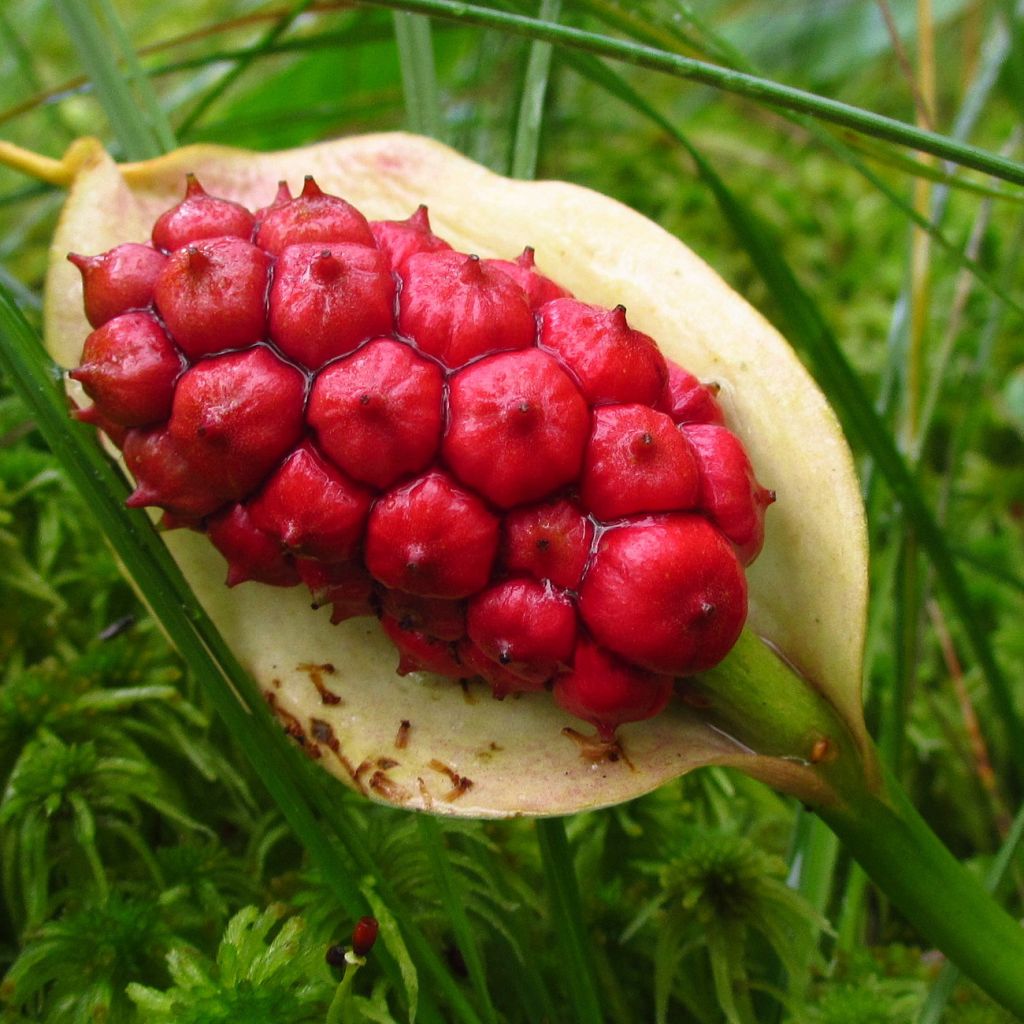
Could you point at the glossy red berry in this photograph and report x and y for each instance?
(326, 301)
(687, 400)
(549, 542)
(456, 308)
(129, 369)
(420, 652)
(198, 216)
(436, 616)
(538, 288)
(118, 281)
(517, 427)
(611, 361)
(378, 413)
(312, 217)
(400, 239)
(251, 553)
(665, 592)
(212, 296)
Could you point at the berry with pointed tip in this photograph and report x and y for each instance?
(312, 217)
(419, 652)
(665, 592)
(168, 477)
(116, 434)
(637, 461)
(456, 308)
(517, 427)
(198, 216)
(281, 197)
(729, 491)
(687, 400)
(607, 691)
(326, 301)
(437, 617)
(400, 239)
(550, 542)
(251, 553)
(612, 361)
(128, 369)
(432, 537)
(501, 681)
(539, 289)
(313, 508)
(526, 626)
(119, 280)
(378, 413)
(212, 296)
(237, 416)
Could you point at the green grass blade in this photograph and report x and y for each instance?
(270, 37)
(419, 78)
(752, 87)
(567, 919)
(531, 104)
(151, 108)
(130, 125)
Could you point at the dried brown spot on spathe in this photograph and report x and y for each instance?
(459, 783)
(316, 675)
(402, 736)
(389, 789)
(597, 750)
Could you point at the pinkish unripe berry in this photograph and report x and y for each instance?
(538, 288)
(118, 281)
(687, 400)
(198, 216)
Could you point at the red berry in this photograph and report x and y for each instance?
(313, 508)
(666, 592)
(378, 413)
(251, 553)
(729, 492)
(526, 626)
(129, 367)
(312, 217)
(324, 302)
(420, 652)
(347, 586)
(200, 216)
(400, 239)
(237, 416)
(500, 679)
(687, 400)
(637, 461)
(538, 288)
(212, 296)
(607, 691)
(281, 198)
(432, 537)
(118, 281)
(611, 361)
(550, 542)
(456, 308)
(517, 427)
(116, 434)
(364, 935)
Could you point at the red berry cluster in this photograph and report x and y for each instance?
(516, 482)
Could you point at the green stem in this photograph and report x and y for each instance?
(567, 920)
(419, 78)
(340, 1010)
(944, 902)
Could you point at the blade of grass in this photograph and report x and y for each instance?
(753, 87)
(130, 125)
(531, 103)
(567, 919)
(419, 78)
(272, 34)
(276, 762)
(454, 902)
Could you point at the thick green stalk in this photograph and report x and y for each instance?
(922, 878)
